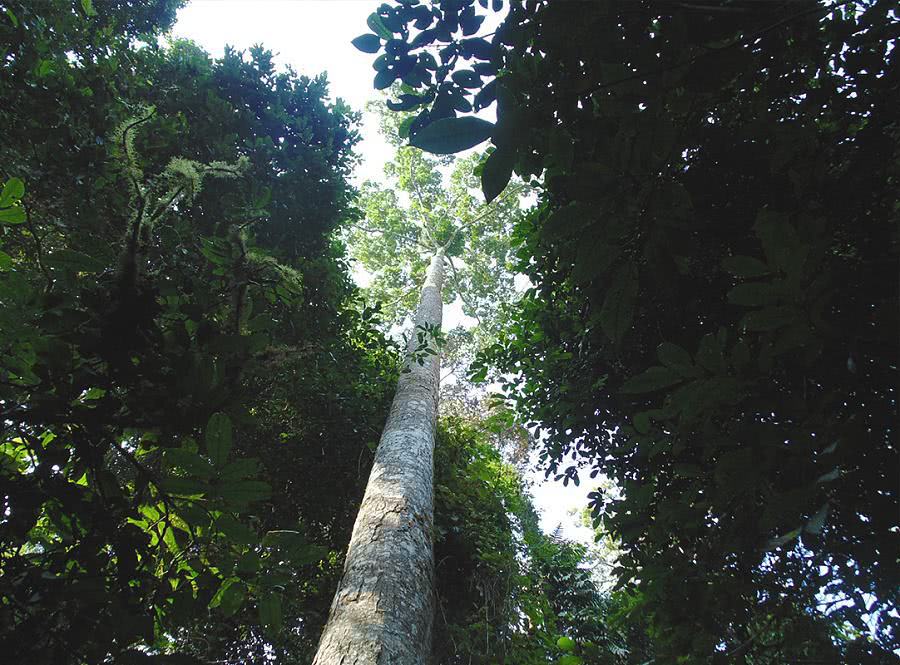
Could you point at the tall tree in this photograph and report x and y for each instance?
(384, 603)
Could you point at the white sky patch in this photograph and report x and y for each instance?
(313, 36)
(561, 506)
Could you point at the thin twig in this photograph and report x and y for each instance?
(39, 249)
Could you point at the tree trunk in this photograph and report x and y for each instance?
(383, 608)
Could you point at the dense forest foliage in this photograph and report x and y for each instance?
(712, 322)
(192, 387)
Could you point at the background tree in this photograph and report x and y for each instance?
(434, 200)
(173, 346)
(713, 321)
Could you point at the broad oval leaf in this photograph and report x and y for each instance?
(241, 468)
(655, 378)
(403, 130)
(466, 78)
(14, 214)
(69, 259)
(570, 659)
(754, 294)
(235, 530)
(618, 306)
(817, 521)
(242, 492)
(672, 355)
(183, 486)
(376, 24)
(230, 596)
(384, 78)
(497, 172)
(565, 643)
(744, 266)
(218, 438)
(13, 190)
(710, 354)
(406, 102)
(449, 135)
(367, 43)
(189, 461)
(270, 612)
(769, 318)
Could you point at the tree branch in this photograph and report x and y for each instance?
(460, 291)
(489, 208)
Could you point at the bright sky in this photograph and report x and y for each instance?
(313, 36)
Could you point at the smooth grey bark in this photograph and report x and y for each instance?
(383, 608)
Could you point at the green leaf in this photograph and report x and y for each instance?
(218, 438)
(478, 375)
(242, 492)
(384, 78)
(249, 563)
(641, 422)
(466, 78)
(740, 355)
(449, 135)
(655, 378)
(672, 355)
(618, 307)
(230, 596)
(5, 261)
(69, 259)
(687, 470)
(367, 43)
(179, 486)
(189, 461)
(834, 474)
(13, 215)
(406, 103)
(216, 250)
(769, 318)
(295, 546)
(786, 538)
(284, 538)
(403, 129)
(241, 468)
(710, 355)
(817, 521)
(754, 294)
(13, 190)
(270, 612)
(376, 24)
(570, 659)
(43, 68)
(744, 266)
(497, 171)
(236, 531)
(566, 643)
